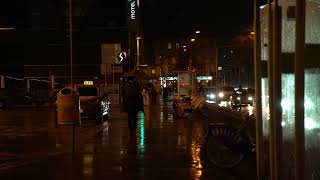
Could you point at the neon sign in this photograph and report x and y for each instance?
(132, 9)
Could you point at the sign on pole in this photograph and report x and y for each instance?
(122, 56)
(109, 69)
(109, 53)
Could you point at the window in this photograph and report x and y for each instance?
(169, 46)
(177, 45)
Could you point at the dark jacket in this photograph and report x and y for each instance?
(132, 97)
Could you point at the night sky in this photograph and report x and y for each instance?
(220, 18)
(161, 17)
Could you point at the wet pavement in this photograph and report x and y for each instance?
(164, 147)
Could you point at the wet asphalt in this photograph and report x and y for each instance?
(32, 146)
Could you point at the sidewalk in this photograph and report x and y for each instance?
(163, 147)
(27, 136)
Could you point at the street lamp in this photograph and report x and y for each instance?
(197, 32)
(138, 51)
(192, 39)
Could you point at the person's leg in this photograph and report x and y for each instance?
(134, 121)
(130, 117)
(105, 117)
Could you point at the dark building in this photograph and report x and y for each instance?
(10, 26)
(180, 53)
(40, 38)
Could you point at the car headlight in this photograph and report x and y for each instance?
(250, 98)
(238, 98)
(220, 94)
(212, 96)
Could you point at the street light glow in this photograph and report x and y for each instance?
(6, 28)
(192, 39)
(197, 32)
(184, 46)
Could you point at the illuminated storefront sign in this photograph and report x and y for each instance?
(133, 15)
(133, 9)
(204, 78)
(168, 78)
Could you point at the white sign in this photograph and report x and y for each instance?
(204, 78)
(168, 78)
(133, 10)
(109, 53)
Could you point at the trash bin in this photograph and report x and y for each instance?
(68, 107)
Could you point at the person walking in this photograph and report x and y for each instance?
(165, 95)
(134, 102)
(153, 95)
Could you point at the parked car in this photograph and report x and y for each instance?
(15, 98)
(92, 106)
(241, 97)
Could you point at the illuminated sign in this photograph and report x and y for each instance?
(133, 15)
(122, 56)
(132, 9)
(168, 78)
(88, 82)
(203, 78)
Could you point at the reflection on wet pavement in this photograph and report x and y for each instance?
(164, 147)
(29, 135)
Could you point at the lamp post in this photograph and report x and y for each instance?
(71, 42)
(138, 52)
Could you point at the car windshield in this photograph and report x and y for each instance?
(88, 91)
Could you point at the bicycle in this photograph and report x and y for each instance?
(226, 146)
(182, 107)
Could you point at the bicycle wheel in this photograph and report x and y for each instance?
(219, 154)
(181, 113)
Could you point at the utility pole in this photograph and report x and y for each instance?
(71, 42)
(299, 90)
(257, 75)
(129, 50)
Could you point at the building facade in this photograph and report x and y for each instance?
(39, 43)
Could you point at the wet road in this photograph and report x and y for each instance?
(28, 135)
(164, 148)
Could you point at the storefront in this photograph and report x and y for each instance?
(288, 74)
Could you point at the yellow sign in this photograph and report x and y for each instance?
(88, 82)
